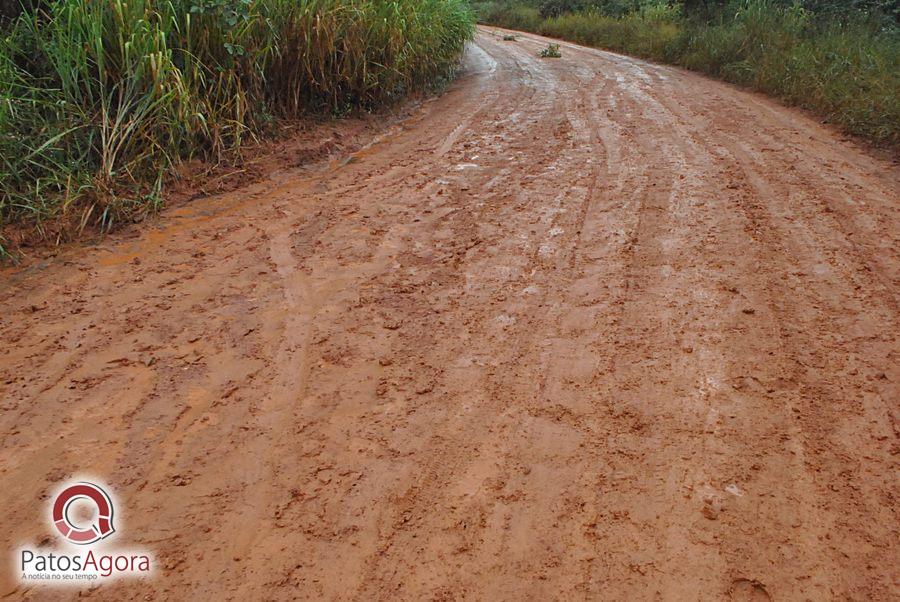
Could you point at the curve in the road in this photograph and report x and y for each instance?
(579, 328)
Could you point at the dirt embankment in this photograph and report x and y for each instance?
(584, 328)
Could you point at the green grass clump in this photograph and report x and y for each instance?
(100, 99)
(551, 52)
(846, 68)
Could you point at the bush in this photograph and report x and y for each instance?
(508, 13)
(554, 8)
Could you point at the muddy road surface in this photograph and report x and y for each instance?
(584, 328)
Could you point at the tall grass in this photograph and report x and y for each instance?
(845, 69)
(99, 99)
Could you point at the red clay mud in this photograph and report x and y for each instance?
(586, 328)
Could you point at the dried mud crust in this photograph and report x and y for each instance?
(578, 329)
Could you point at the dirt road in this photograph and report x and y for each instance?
(584, 328)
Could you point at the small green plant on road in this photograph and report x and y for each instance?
(551, 52)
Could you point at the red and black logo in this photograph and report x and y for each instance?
(79, 534)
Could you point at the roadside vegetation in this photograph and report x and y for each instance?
(839, 58)
(101, 99)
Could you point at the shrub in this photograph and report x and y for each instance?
(554, 8)
(508, 13)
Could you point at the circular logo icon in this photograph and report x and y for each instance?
(83, 534)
